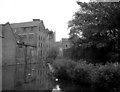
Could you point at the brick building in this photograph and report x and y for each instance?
(1, 45)
(34, 33)
(63, 47)
(9, 45)
(65, 43)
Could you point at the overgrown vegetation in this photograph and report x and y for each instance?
(95, 32)
(95, 52)
(52, 54)
(98, 76)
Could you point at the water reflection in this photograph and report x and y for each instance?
(36, 77)
(56, 89)
(26, 77)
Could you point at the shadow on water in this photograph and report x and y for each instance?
(35, 77)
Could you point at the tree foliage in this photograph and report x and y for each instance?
(52, 54)
(99, 23)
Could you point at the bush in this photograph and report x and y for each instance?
(63, 67)
(99, 76)
(82, 72)
(108, 76)
(72, 70)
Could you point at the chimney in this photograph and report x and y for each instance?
(36, 19)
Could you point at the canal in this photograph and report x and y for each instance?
(35, 77)
(26, 77)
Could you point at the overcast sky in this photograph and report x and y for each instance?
(54, 13)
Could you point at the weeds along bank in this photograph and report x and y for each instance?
(99, 76)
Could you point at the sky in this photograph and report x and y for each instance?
(54, 13)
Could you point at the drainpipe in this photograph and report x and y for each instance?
(25, 54)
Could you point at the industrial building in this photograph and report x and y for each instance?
(35, 34)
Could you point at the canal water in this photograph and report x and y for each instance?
(26, 77)
(35, 77)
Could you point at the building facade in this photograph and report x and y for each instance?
(65, 43)
(1, 45)
(50, 39)
(9, 45)
(0, 57)
(35, 34)
(64, 47)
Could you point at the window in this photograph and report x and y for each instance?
(39, 28)
(41, 52)
(39, 37)
(66, 45)
(24, 29)
(32, 28)
(41, 45)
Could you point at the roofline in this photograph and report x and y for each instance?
(11, 31)
(26, 24)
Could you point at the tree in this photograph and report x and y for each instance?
(52, 54)
(99, 23)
